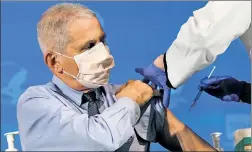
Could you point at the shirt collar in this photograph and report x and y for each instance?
(74, 95)
(66, 90)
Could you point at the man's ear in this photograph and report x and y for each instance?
(52, 61)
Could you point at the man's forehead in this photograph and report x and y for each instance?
(85, 28)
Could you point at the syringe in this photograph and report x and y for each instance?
(200, 91)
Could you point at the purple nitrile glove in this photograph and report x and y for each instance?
(158, 77)
(225, 88)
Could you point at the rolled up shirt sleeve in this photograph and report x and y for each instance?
(47, 124)
(204, 36)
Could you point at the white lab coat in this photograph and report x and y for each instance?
(246, 38)
(205, 35)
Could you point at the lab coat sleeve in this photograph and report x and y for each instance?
(246, 39)
(47, 124)
(204, 36)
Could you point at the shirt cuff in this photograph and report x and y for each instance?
(132, 106)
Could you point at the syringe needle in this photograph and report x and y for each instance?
(200, 91)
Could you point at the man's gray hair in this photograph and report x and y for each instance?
(52, 29)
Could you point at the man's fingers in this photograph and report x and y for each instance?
(150, 90)
(156, 93)
(130, 82)
(153, 85)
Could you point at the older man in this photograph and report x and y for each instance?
(78, 110)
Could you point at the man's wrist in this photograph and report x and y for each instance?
(131, 105)
(159, 62)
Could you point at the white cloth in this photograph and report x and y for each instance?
(204, 36)
(246, 38)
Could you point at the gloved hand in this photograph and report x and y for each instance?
(223, 87)
(158, 77)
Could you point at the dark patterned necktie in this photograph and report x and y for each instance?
(90, 97)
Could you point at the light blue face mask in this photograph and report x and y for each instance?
(94, 66)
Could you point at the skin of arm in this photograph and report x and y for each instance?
(181, 137)
(176, 135)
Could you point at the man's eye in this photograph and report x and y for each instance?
(88, 46)
(91, 45)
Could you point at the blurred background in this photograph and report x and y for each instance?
(137, 32)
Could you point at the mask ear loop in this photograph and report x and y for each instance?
(69, 74)
(64, 70)
(63, 55)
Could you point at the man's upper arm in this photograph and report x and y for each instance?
(161, 129)
(152, 120)
(47, 124)
(205, 35)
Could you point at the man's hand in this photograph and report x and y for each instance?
(223, 87)
(136, 90)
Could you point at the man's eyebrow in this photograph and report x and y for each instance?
(104, 35)
(87, 44)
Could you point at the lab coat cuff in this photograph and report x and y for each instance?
(168, 83)
(133, 107)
